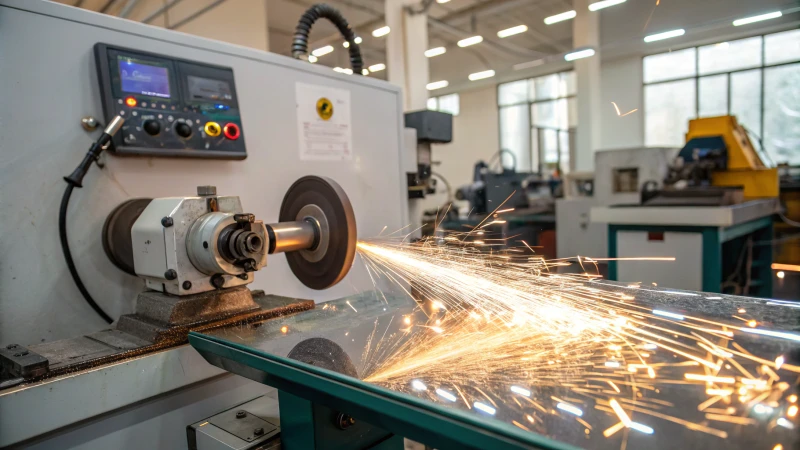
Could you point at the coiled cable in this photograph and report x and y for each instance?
(300, 41)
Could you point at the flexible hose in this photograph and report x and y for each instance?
(62, 233)
(300, 41)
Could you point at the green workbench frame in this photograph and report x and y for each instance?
(399, 414)
(713, 239)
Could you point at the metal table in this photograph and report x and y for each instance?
(310, 396)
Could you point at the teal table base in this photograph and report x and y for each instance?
(721, 247)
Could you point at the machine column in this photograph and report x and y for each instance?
(405, 51)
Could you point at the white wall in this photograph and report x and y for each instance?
(621, 82)
(475, 137)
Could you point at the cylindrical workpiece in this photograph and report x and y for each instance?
(292, 236)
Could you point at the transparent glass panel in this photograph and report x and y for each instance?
(727, 56)
(535, 152)
(546, 87)
(746, 99)
(549, 143)
(571, 83)
(515, 134)
(668, 108)
(782, 47)
(513, 93)
(782, 113)
(552, 114)
(713, 96)
(669, 66)
(433, 104)
(572, 110)
(449, 104)
(564, 141)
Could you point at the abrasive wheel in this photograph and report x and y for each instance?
(324, 353)
(117, 232)
(322, 201)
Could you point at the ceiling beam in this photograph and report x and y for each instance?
(197, 14)
(161, 10)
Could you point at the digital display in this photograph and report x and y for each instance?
(208, 89)
(145, 79)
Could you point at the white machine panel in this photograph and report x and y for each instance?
(576, 234)
(49, 83)
(686, 272)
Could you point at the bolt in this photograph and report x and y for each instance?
(167, 222)
(241, 414)
(170, 274)
(89, 123)
(187, 285)
(344, 421)
(258, 431)
(244, 218)
(217, 281)
(205, 191)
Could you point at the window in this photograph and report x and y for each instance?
(756, 79)
(446, 103)
(537, 121)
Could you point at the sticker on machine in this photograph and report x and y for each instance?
(323, 123)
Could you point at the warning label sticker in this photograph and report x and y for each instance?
(323, 123)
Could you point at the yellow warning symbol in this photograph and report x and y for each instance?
(324, 108)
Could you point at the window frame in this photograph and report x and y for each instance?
(697, 76)
(529, 103)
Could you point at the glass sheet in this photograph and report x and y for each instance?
(563, 390)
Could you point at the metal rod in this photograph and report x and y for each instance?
(291, 236)
(196, 14)
(126, 10)
(160, 10)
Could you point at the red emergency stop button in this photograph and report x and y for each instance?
(231, 131)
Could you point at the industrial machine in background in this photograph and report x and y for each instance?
(275, 143)
(709, 205)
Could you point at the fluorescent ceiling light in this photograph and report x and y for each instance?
(604, 4)
(364, 72)
(580, 54)
(442, 1)
(560, 17)
(665, 35)
(312, 59)
(481, 75)
(322, 51)
(470, 41)
(377, 67)
(512, 31)
(346, 44)
(340, 70)
(746, 20)
(382, 31)
(437, 85)
(430, 53)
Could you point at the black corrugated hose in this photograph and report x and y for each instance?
(300, 41)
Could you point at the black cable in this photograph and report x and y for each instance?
(75, 179)
(62, 233)
(300, 41)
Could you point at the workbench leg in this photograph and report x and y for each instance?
(306, 425)
(712, 260)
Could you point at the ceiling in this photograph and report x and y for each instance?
(621, 28)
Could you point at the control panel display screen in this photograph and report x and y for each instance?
(208, 89)
(145, 79)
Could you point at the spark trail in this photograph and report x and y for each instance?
(502, 324)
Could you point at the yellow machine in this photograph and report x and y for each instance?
(744, 166)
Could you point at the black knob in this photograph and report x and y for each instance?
(152, 127)
(183, 130)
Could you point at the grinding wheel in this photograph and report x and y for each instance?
(322, 200)
(117, 232)
(324, 353)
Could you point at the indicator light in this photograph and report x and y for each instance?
(130, 101)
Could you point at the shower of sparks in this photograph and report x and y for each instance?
(616, 108)
(499, 320)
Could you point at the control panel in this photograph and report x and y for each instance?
(171, 107)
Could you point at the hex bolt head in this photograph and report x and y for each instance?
(241, 414)
(258, 431)
(218, 281)
(167, 222)
(170, 274)
(187, 285)
(205, 191)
